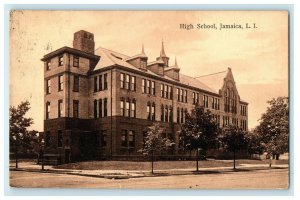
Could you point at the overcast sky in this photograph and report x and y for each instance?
(258, 57)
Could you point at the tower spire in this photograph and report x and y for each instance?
(162, 53)
(143, 52)
(176, 62)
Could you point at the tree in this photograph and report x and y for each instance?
(199, 131)
(254, 145)
(233, 139)
(274, 127)
(155, 142)
(18, 125)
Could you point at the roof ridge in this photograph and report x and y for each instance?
(113, 51)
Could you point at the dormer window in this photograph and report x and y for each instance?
(76, 61)
(143, 64)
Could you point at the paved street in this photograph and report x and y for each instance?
(261, 179)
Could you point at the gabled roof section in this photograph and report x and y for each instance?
(187, 80)
(215, 80)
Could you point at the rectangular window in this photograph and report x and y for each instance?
(153, 112)
(60, 108)
(162, 113)
(105, 82)
(178, 115)
(185, 96)
(95, 83)
(60, 82)
(133, 106)
(103, 138)
(76, 84)
(162, 90)
(59, 138)
(148, 111)
(75, 108)
(60, 61)
(181, 95)
(122, 108)
(76, 61)
(122, 80)
(197, 98)
(152, 87)
(177, 93)
(132, 85)
(166, 114)
(148, 87)
(47, 110)
(194, 98)
(124, 138)
(166, 91)
(127, 81)
(48, 86)
(100, 108)
(48, 65)
(95, 108)
(131, 138)
(182, 115)
(47, 138)
(100, 83)
(143, 85)
(127, 112)
(170, 114)
(105, 108)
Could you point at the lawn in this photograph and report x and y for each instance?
(159, 165)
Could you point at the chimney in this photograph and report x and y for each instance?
(84, 41)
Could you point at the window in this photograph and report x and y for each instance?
(95, 83)
(100, 83)
(143, 64)
(122, 79)
(143, 85)
(100, 108)
(194, 98)
(148, 111)
(133, 108)
(105, 82)
(122, 107)
(127, 82)
(152, 87)
(127, 112)
(131, 138)
(76, 84)
(153, 112)
(166, 91)
(132, 85)
(162, 90)
(181, 95)
(47, 138)
(59, 138)
(60, 61)
(48, 65)
(124, 138)
(205, 101)
(162, 113)
(60, 82)
(197, 98)
(75, 108)
(177, 93)
(166, 114)
(76, 61)
(182, 115)
(105, 108)
(48, 86)
(95, 109)
(178, 115)
(60, 108)
(148, 87)
(170, 114)
(47, 110)
(103, 138)
(185, 96)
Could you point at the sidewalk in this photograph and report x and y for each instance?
(125, 174)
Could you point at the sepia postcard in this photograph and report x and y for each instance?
(149, 99)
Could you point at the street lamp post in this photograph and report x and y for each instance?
(42, 147)
(16, 150)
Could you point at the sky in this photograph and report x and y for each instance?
(258, 57)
